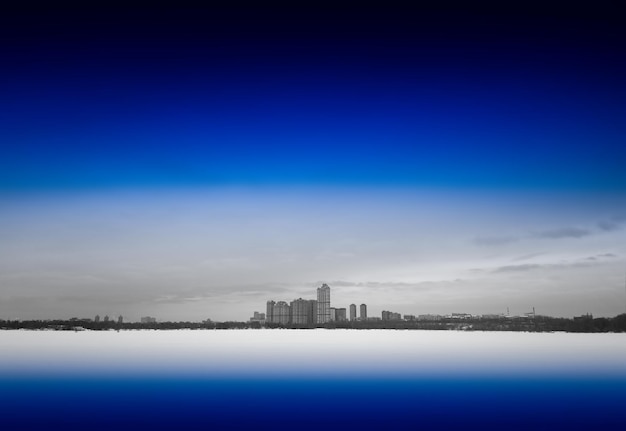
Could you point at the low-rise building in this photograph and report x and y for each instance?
(258, 317)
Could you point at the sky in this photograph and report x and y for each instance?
(193, 162)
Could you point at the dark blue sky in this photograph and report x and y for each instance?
(318, 93)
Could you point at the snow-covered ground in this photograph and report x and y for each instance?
(344, 353)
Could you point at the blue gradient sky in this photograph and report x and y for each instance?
(362, 145)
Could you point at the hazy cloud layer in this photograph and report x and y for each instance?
(564, 232)
(611, 224)
(222, 254)
(582, 262)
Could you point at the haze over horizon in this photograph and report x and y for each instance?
(194, 162)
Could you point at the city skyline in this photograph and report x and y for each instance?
(319, 312)
(191, 162)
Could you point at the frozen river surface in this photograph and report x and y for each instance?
(273, 353)
(311, 379)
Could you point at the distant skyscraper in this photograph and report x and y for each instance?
(120, 320)
(97, 318)
(303, 311)
(363, 312)
(323, 304)
(333, 316)
(269, 312)
(313, 311)
(299, 308)
(106, 318)
(282, 313)
(352, 312)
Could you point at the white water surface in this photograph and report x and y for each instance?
(314, 353)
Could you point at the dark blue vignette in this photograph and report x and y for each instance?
(94, 403)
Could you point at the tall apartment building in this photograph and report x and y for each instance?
(363, 312)
(282, 313)
(303, 311)
(352, 312)
(323, 304)
(313, 310)
(269, 312)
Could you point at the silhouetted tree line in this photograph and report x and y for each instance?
(88, 324)
(529, 324)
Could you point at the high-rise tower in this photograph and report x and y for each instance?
(323, 304)
(363, 312)
(269, 312)
(282, 313)
(303, 311)
(352, 312)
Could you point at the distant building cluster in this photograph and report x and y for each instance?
(314, 312)
(108, 319)
(390, 315)
(120, 319)
(308, 312)
(258, 317)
